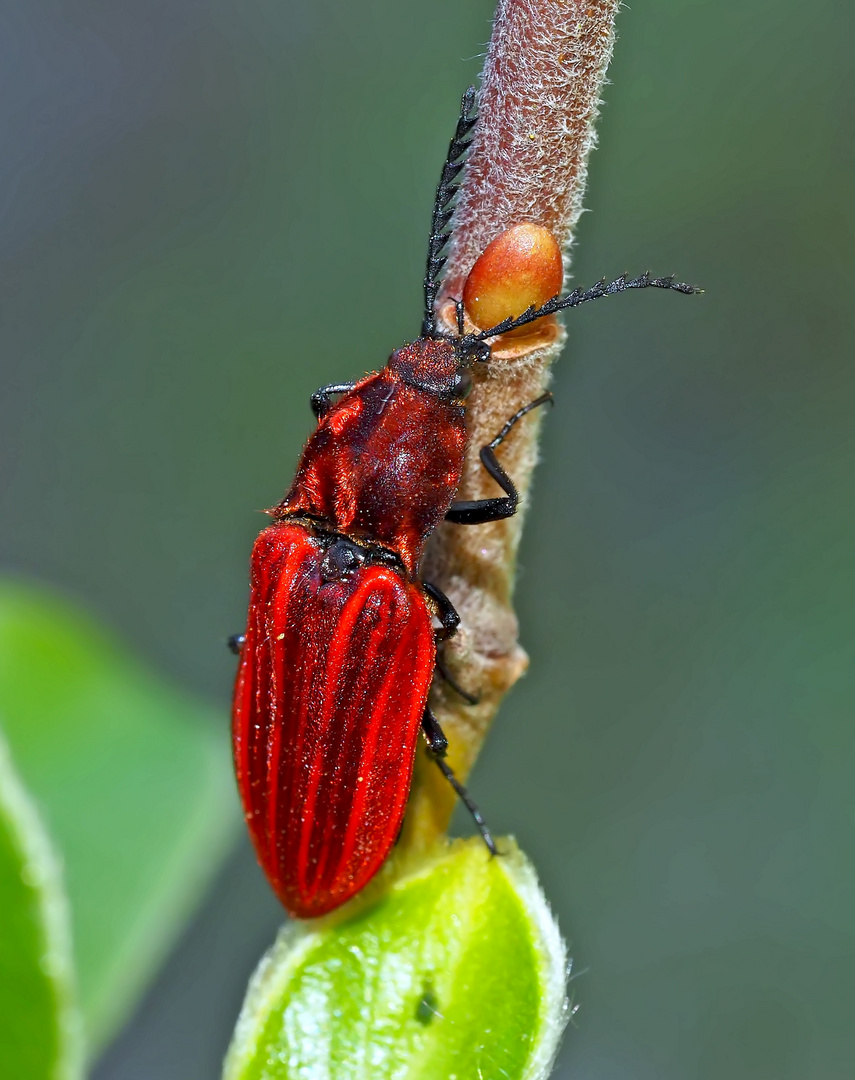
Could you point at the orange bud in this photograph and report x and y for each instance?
(519, 268)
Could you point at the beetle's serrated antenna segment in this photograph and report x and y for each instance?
(460, 317)
(582, 296)
(445, 192)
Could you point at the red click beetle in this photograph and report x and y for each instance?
(339, 650)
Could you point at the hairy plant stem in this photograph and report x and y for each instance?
(538, 103)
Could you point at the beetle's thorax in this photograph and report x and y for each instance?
(384, 463)
(429, 364)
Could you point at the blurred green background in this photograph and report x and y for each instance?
(210, 208)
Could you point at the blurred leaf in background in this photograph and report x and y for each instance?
(40, 1027)
(134, 781)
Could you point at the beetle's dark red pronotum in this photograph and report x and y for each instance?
(339, 648)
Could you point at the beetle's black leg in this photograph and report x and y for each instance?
(320, 400)
(235, 643)
(470, 699)
(447, 615)
(465, 798)
(479, 511)
(446, 612)
(436, 740)
(437, 746)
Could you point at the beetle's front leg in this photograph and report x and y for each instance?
(479, 511)
(321, 399)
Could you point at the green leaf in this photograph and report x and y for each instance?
(133, 780)
(457, 972)
(39, 1022)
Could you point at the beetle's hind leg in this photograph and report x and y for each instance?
(437, 747)
(466, 799)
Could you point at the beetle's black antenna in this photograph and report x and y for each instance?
(582, 296)
(445, 192)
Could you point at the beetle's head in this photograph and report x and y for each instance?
(439, 365)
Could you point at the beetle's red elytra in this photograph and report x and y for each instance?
(336, 665)
(339, 650)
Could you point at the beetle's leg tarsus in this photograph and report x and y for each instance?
(236, 643)
(437, 747)
(479, 511)
(466, 799)
(321, 399)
